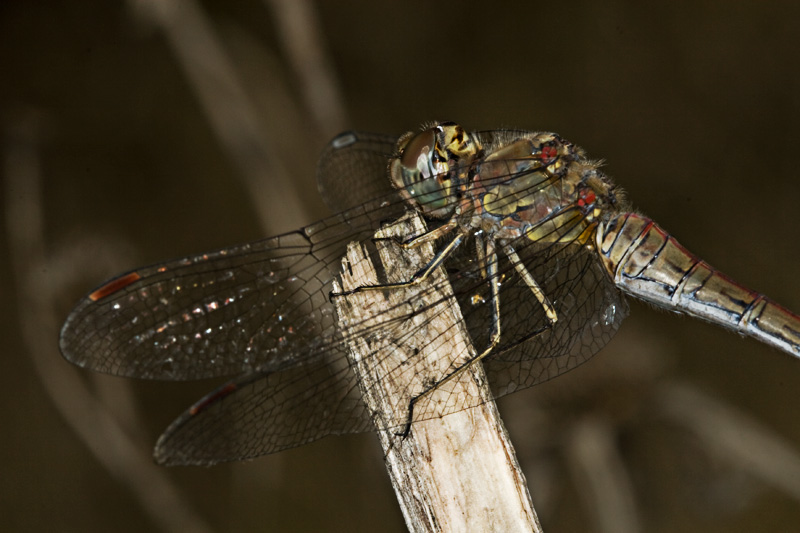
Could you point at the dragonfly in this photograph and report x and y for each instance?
(539, 245)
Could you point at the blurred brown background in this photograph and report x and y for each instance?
(136, 132)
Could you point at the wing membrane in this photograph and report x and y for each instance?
(262, 305)
(353, 170)
(257, 306)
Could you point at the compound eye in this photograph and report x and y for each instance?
(418, 151)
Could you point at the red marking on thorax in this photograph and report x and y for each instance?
(114, 285)
(587, 197)
(549, 153)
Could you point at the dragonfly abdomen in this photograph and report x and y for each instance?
(648, 263)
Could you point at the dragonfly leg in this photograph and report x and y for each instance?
(480, 250)
(494, 336)
(421, 275)
(526, 276)
(428, 236)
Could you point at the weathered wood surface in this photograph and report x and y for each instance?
(452, 473)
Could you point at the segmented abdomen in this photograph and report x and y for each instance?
(648, 263)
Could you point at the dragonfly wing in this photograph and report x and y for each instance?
(353, 170)
(265, 412)
(262, 306)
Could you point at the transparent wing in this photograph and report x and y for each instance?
(353, 170)
(258, 306)
(266, 412)
(262, 305)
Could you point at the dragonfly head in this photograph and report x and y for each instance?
(428, 165)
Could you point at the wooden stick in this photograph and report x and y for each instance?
(452, 473)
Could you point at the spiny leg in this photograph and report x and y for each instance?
(480, 251)
(428, 236)
(526, 276)
(420, 276)
(494, 337)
